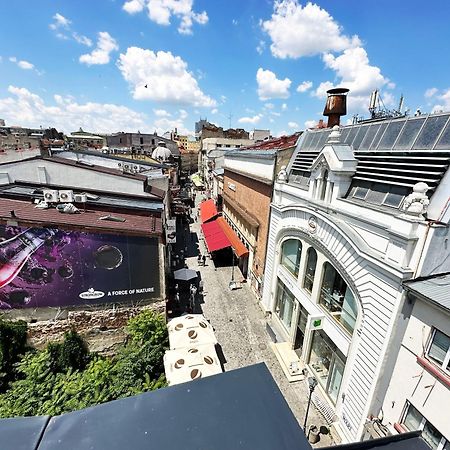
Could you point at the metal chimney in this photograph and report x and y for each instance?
(336, 106)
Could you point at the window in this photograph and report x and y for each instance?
(311, 263)
(291, 252)
(284, 306)
(413, 420)
(323, 188)
(327, 363)
(439, 350)
(338, 299)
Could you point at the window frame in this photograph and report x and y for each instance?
(308, 256)
(296, 271)
(445, 366)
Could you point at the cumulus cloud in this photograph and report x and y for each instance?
(310, 124)
(293, 125)
(161, 12)
(166, 76)
(284, 106)
(214, 111)
(269, 86)
(62, 26)
(66, 114)
(354, 71)
(261, 46)
(25, 65)
(444, 102)
(101, 53)
(253, 120)
(168, 124)
(161, 113)
(304, 86)
(59, 21)
(431, 92)
(298, 31)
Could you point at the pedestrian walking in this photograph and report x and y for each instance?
(204, 259)
(199, 258)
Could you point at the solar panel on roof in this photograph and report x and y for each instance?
(323, 139)
(351, 135)
(368, 138)
(409, 133)
(378, 136)
(307, 141)
(359, 137)
(444, 141)
(430, 132)
(315, 140)
(391, 134)
(344, 134)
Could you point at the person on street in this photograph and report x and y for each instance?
(204, 259)
(199, 258)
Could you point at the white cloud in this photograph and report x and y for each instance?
(166, 76)
(298, 31)
(161, 113)
(133, 6)
(310, 123)
(59, 22)
(261, 46)
(82, 39)
(269, 105)
(165, 124)
(431, 92)
(444, 100)
(304, 86)
(321, 90)
(100, 55)
(269, 86)
(284, 106)
(354, 72)
(293, 125)
(25, 108)
(61, 26)
(274, 113)
(234, 22)
(25, 65)
(161, 12)
(253, 120)
(183, 113)
(214, 111)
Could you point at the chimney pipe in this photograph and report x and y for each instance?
(336, 106)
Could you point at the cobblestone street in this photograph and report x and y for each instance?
(240, 328)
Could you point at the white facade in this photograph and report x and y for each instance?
(415, 390)
(347, 325)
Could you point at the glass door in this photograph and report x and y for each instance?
(335, 378)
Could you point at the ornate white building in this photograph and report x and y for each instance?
(357, 213)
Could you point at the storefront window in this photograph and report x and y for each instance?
(338, 299)
(291, 253)
(310, 269)
(285, 305)
(327, 364)
(301, 329)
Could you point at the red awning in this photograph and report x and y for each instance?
(208, 210)
(239, 248)
(215, 238)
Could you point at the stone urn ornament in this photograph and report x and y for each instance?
(282, 175)
(417, 202)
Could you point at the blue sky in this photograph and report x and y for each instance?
(69, 63)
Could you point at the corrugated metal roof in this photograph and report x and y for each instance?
(436, 289)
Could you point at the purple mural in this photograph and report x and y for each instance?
(52, 267)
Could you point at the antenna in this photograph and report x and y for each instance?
(400, 104)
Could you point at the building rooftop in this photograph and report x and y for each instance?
(240, 409)
(280, 143)
(434, 288)
(25, 212)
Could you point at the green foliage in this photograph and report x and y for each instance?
(64, 377)
(72, 353)
(13, 344)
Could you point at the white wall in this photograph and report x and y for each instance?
(410, 381)
(262, 169)
(49, 172)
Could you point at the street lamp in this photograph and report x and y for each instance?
(312, 383)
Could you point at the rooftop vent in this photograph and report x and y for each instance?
(336, 105)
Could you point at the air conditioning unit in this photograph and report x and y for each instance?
(80, 198)
(66, 196)
(51, 196)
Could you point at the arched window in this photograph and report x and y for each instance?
(291, 252)
(323, 188)
(311, 263)
(337, 298)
